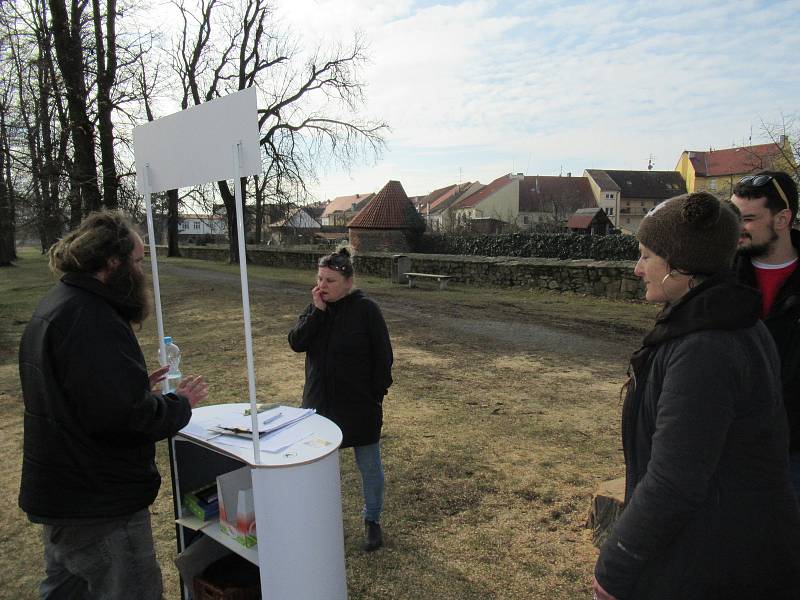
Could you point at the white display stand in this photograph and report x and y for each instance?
(296, 492)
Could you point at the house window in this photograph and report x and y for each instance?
(526, 220)
(627, 219)
(713, 184)
(197, 224)
(610, 211)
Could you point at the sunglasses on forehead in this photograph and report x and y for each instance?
(758, 181)
(337, 262)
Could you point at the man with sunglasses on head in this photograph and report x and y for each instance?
(768, 260)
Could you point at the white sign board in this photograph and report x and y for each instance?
(193, 146)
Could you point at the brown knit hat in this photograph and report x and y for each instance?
(695, 233)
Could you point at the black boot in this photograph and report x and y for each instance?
(373, 537)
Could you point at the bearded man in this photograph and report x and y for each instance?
(767, 260)
(92, 419)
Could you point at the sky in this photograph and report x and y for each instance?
(476, 89)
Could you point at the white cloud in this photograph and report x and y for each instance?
(487, 86)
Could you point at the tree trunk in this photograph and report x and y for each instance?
(229, 200)
(173, 249)
(106, 50)
(607, 504)
(73, 199)
(259, 209)
(6, 230)
(8, 249)
(69, 55)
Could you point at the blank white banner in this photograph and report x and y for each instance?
(193, 146)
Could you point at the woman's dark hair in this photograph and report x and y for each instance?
(340, 261)
(87, 249)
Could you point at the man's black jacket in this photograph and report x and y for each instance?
(91, 422)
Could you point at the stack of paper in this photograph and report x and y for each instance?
(268, 421)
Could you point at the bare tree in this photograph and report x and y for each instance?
(7, 214)
(307, 111)
(785, 134)
(106, 56)
(68, 30)
(34, 107)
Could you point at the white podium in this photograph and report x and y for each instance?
(297, 498)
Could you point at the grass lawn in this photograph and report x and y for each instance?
(493, 442)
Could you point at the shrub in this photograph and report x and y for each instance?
(564, 246)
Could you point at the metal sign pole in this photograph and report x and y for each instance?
(248, 334)
(151, 238)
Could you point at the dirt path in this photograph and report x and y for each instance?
(509, 326)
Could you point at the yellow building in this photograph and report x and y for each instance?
(718, 171)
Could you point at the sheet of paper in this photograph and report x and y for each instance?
(281, 440)
(271, 443)
(268, 421)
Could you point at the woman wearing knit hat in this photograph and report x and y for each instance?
(709, 512)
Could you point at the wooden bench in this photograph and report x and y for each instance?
(442, 279)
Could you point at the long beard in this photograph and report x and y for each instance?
(759, 250)
(130, 288)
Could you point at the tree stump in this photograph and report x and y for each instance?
(607, 503)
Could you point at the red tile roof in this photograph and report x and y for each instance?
(583, 218)
(483, 193)
(733, 161)
(389, 209)
(538, 193)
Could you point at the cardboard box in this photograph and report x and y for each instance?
(237, 517)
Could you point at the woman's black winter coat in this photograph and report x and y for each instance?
(348, 365)
(709, 511)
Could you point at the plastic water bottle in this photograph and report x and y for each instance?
(174, 361)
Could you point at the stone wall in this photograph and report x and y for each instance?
(597, 278)
(379, 240)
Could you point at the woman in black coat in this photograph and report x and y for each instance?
(348, 372)
(709, 511)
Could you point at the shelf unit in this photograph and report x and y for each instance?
(297, 498)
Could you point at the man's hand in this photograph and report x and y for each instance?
(194, 389)
(599, 592)
(157, 376)
(316, 297)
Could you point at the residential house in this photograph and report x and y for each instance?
(342, 209)
(627, 196)
(436, 206)
(527, 202)
(718, 171)
(388, 223)
(299, 227)
(498, 199)
(591, 221)
(547, 202)
(196, 227)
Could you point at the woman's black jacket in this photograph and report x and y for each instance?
(709, 511)
(348, 365)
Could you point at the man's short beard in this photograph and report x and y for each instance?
(131, 289)
(760, 250)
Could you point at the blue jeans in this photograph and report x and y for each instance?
(101, 561)
(368, 459)
(794, 469)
